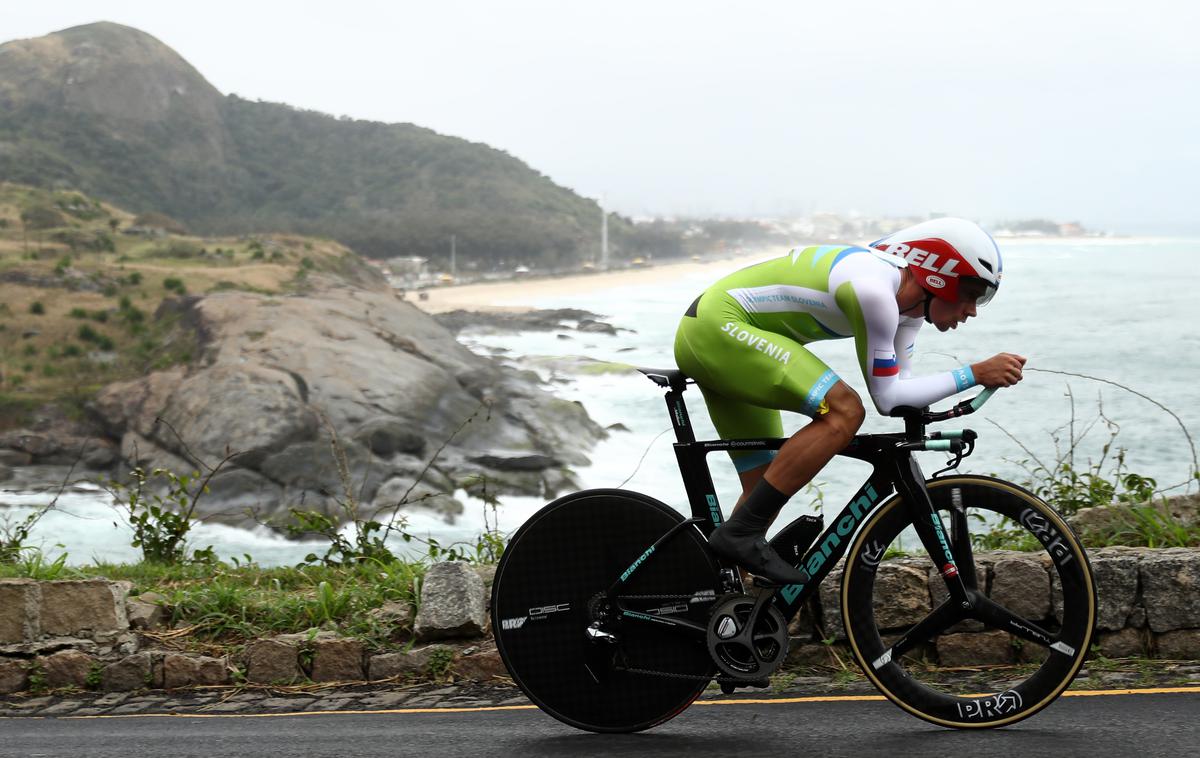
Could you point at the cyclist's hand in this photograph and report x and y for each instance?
(1001, 370)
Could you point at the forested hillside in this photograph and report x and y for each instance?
(113, 112)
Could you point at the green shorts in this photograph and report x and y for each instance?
(748, 374)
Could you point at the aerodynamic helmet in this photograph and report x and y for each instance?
(952, 258)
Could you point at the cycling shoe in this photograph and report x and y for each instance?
(752, 552)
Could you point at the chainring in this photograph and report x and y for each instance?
(739, 651)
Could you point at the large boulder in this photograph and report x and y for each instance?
(975, 648)
(1022, 585)
(337, 660)
(901, 595)
(133, 672)
(412, 663)
(179, 670)
(14, 675)
(1115, 571)
(273, 661)
(245, 409)
(19, 600)
(66, 668)
(452, 603)
(1171, 588)
(84, 606)
(278, 377)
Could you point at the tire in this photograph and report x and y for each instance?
(567, 554)
(914, 681)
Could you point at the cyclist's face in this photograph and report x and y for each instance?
(946, 315)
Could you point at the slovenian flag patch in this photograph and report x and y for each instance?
(885, 364)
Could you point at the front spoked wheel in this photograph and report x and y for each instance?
(580, 659)
(1035, 619)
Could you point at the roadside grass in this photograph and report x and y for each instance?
(1146, 525)
(230, 605)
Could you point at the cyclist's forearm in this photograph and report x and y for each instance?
(889, 391)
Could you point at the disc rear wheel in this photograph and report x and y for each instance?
(548, 590)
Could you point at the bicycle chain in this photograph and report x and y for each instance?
(693, 677)
(672, 674)
(661, 597)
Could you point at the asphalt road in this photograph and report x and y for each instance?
(1142, 725)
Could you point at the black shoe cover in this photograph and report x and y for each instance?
(752, 552)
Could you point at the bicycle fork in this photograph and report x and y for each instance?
(911, 485)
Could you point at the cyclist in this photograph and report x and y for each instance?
(743, 342)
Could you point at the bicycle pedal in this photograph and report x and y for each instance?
(728, 687)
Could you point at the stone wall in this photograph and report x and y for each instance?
(1148, 604)
(85, 634)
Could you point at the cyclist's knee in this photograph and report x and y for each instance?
(846, 413)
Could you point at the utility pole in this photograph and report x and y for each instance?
(453, 261)
(603, 238)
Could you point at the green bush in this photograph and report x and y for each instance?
(80, 206)
(162, 522)
(79, 239)
(177, 249)
(175, 284)
(154, 220)
(42, 217)
(36, 308)
(78, 313)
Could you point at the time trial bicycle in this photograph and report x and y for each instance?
(613, 615)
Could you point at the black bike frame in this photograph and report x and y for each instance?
(894, 470)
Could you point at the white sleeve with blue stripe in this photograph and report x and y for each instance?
(883, 363)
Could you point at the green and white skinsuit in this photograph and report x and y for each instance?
(743, 341)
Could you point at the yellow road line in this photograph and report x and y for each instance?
(489, 708)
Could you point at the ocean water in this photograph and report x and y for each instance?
(1110, 327)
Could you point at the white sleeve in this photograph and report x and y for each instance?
(877, 344)
(905, 345)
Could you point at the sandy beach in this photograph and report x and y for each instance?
(518, 294)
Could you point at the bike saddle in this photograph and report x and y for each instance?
(666, 377)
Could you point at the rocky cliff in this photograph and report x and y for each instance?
(278, 378)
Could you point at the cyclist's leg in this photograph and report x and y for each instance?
(811, 448)
(735, 419)
(744, 372)
(740, 368)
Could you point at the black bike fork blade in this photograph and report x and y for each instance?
(928, 525)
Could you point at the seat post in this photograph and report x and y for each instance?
(679, 416)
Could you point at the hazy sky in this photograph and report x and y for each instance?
(1072, 110)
